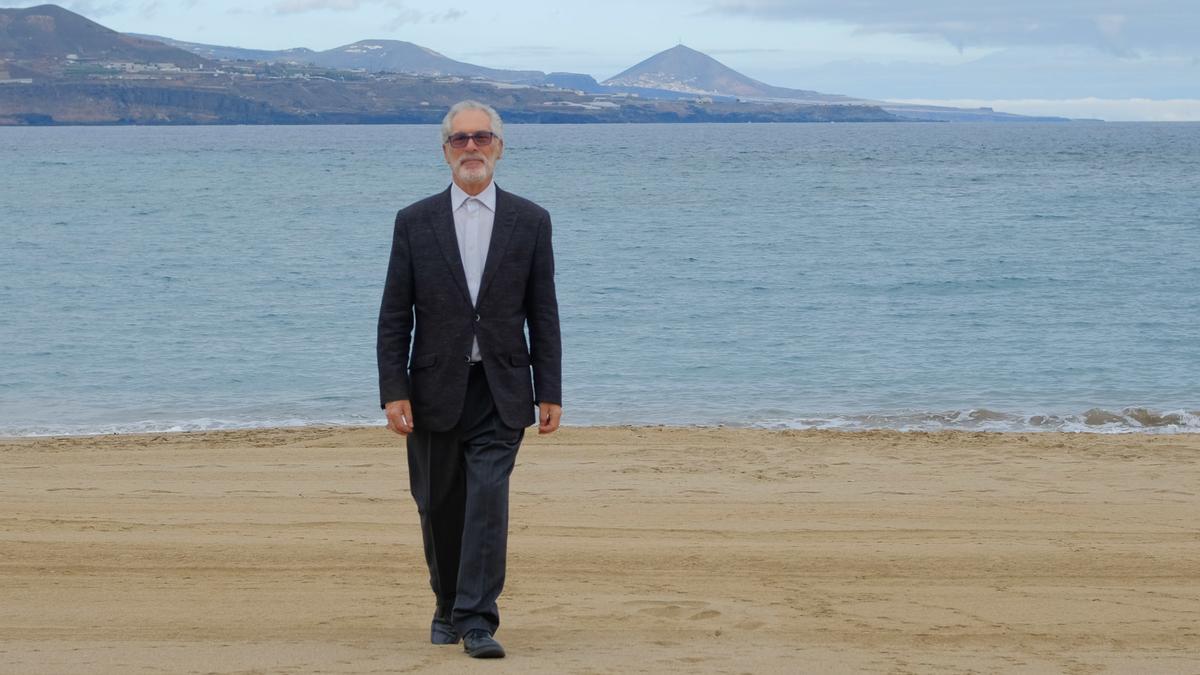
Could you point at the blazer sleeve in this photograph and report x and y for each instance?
(541, 311)
(394, 334)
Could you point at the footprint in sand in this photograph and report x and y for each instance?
(692, 610)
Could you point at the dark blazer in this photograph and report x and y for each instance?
(426, 283)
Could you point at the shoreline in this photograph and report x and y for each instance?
(631, 549)
(1055, 439)
(1148, 432)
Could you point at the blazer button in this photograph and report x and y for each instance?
(476, 318)
(467, 358)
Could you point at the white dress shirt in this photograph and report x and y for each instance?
(473, 218)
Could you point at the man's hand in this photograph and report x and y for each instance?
(399, 417)
(548, 416)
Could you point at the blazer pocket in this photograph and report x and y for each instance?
(423, 361)
(519, 360)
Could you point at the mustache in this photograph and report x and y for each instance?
(467, 158)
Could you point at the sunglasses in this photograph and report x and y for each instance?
(481, 138)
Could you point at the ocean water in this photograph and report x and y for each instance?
(910, 276)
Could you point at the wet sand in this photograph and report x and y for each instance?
(632, 550)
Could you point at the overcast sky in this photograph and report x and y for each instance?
(1112, 59)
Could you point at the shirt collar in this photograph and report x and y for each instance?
(488, 196)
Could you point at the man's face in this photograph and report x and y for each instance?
(472, 166)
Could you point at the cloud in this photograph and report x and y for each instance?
(1112, 110)
(539, 50)
(301, 6)
(403, 15)
(150, 9)
(1117, 26)
(1058, 72)
(147, 9)
(92, 9)
(748, 50)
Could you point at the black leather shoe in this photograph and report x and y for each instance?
(441, 631)
(479, 644)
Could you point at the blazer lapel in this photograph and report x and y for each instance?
(502, 227)
(443, 228)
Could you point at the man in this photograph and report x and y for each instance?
(471, 267)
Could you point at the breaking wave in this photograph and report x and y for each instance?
(1095, 420)
(156, 427)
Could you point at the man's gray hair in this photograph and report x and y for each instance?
(497, 125)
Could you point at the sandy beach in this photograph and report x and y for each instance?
(633, 550)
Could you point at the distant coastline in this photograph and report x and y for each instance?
(402, 100)
(60, 68)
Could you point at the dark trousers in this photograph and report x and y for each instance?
(459, 479)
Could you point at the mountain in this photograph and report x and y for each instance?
(49, 34)
(59, 67)
(405, 57)
(678, 73)
(585, 83)
(683, 69)
(219, 52)
(373, 56)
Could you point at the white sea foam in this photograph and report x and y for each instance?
(177, 426)
(1097, 421)
(1126, 421)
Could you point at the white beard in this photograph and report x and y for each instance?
(474, 175)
